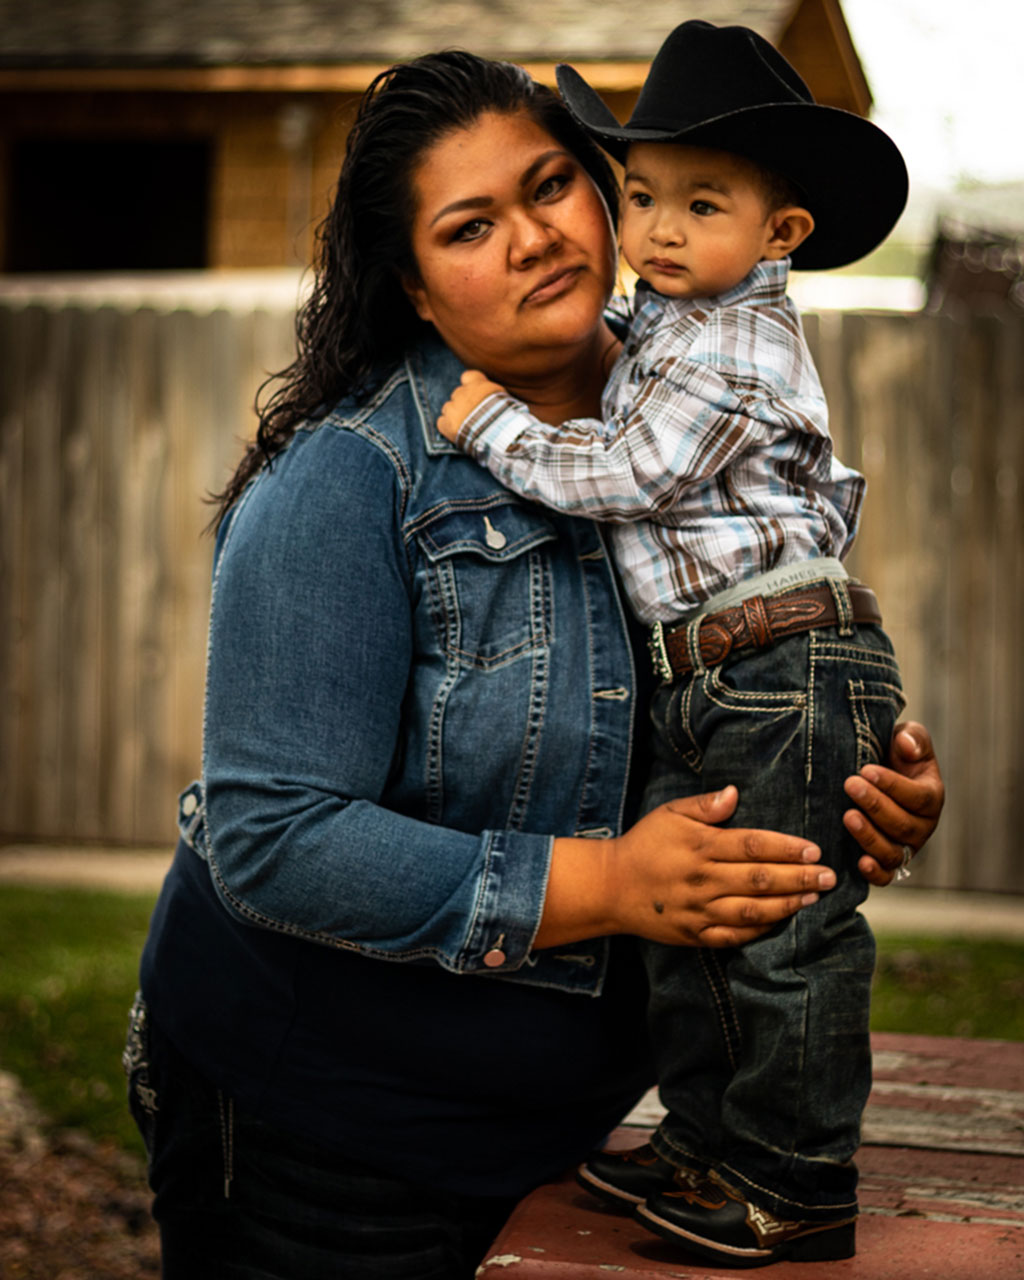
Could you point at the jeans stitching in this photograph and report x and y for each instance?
(812, 660)
(719, 987)
(226, 1116)
(770, 703)
(775, 1196)
(694, 757)
(869, 749)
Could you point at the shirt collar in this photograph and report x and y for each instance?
(765, 284)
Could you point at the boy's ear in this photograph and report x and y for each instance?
(787, 229)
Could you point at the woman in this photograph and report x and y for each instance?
(389, 985)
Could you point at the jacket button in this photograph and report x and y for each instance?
(494, 538)
(189, 804)
(495, 958)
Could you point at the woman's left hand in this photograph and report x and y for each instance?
(898, 806)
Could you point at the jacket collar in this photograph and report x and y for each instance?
(433, 373)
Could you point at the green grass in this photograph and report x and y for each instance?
(69, 961)
(949, 987)
(69, 958)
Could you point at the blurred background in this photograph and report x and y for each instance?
(162, 167)
(163, 164)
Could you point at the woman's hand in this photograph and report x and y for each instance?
(899, 806)
(473, 389)
(675, 877)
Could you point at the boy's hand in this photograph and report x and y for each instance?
(474, 388)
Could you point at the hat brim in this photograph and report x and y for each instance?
(851, 174)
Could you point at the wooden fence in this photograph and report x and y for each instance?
(116, 419)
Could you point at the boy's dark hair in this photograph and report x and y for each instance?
(778, 190)
(358, 322)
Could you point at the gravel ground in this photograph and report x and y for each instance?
(69, 1209)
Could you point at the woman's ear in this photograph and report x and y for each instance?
(787, 229)
(417, 295)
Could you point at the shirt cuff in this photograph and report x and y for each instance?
(494, 424)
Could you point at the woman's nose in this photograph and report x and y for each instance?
(532, 237)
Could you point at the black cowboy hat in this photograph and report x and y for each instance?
(728, 89)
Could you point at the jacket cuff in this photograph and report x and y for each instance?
(511, 902)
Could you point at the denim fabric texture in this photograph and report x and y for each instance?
(763, 1052)
(238, 1199)
(415, 682)
(403, 658)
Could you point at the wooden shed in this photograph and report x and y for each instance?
(148, 134)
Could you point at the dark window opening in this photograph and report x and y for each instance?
(110, 205)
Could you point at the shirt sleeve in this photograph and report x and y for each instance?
(683, 423)
(310, 658)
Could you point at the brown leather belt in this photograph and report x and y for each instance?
(756, 623)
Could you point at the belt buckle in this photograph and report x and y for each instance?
(659, 654)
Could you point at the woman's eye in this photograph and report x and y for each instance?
(552, 186)
(471, 230)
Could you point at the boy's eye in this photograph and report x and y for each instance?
(641, 199)
(703, 208)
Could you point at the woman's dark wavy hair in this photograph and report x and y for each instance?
(358, 322)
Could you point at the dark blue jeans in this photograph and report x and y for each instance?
(237, 1199)
(763, 1053)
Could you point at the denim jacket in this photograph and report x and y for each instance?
(416, 680)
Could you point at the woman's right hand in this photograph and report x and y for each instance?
(677, 877)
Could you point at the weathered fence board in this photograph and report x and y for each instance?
(116, 420)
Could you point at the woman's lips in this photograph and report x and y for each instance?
(553, 285)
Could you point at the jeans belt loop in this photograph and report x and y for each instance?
(844, 608)
(659, 654)
(693, 644)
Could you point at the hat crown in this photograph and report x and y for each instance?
(727, 89)
(702, 72)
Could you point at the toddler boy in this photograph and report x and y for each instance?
(729, 518)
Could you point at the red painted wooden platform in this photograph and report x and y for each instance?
(942, 1185)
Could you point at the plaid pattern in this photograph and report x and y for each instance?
(714, 461)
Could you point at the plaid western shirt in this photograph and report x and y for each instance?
(714, 461)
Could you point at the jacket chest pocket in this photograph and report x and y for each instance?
(488, 581)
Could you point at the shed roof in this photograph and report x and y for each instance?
(203, 33)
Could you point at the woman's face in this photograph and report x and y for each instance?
(514, 247)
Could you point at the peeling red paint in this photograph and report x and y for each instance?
(931, 1209)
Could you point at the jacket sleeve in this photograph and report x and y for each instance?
(311, 651)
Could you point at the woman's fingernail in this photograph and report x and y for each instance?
(856, 789)
(826, 878)
(811, 854)
(808, 899)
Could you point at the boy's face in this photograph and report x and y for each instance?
(695, 222)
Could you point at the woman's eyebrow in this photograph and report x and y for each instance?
(459, 206)
(483, 202)
(538, 164)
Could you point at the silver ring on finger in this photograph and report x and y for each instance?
(903, 870)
